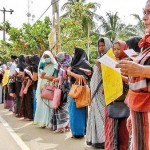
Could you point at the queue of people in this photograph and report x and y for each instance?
(23, 80)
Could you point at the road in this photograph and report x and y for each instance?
(18, 134)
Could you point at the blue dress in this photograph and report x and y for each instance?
(77, 119)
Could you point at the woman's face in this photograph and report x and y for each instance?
(118, 52)
(46, 56)
(146, 17)
(101, 47)
(47, 59)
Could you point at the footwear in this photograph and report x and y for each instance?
(28, 119)
(60, 131)
(78, 136)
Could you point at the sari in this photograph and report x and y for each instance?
(95, 124)
(43, 113)
(116, 133)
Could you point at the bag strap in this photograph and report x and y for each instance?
(46, 104)
(97, 89)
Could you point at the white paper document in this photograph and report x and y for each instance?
(17, 69)
(109, 62)
(130, 53)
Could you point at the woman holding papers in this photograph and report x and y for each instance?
(116, 133)
(138, 98)
(95, 124)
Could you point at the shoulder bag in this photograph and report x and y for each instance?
(76, 89)
(48, 92)
(57, 96)
(84, 99)
(118, 110)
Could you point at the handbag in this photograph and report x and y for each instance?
(76, 89)
(84, 98)
(118, 110)
(65, 89)
(48, 92)
(57, 97)
(11, 86)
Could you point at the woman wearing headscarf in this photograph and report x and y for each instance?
(35, 62)
(78, 115)
(95, 125)
(27, 91)
(60, 117)
(43, 112)
(18, 84)
(116, 133)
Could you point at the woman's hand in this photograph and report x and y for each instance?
(25, 91)
(98, 64)
(56, 80)
(88, 72)
(69, 68)
(68, 72)
(42, 75)
(129, 68)
(129, 125)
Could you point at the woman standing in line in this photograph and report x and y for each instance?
(77, 116)
(138, 98)
(27, 99)
(34, 76)
(43, 112)
(60, 118)
(95, 124)
(18, 84)
(116, 133)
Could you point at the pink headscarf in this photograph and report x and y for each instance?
(123, 46)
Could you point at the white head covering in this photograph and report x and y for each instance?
(53, 60)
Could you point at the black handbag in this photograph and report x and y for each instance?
(11, 86)
(65, 89)
(118, 110)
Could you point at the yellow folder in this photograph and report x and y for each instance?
(112, 81)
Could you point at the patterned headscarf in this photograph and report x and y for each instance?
(123, 46)
(64, 59)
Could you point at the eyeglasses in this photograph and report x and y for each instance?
(146, 12)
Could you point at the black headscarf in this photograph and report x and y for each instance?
(35, 60)
(133, 43)
(28, 60)
(80, 60)
(13, 57)
(21, 63)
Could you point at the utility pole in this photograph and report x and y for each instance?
(56, 22)
(4, 11)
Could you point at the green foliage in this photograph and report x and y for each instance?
(113, 28)
(28, 39)
(75, 23)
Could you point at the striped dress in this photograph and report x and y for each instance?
(140, 130)
(139, 102)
